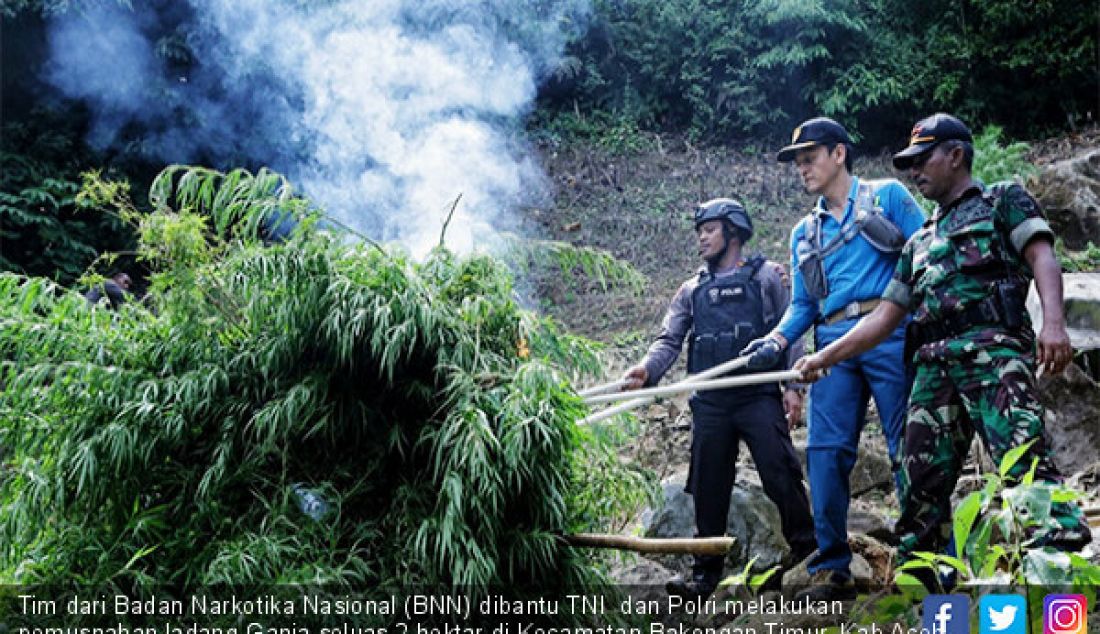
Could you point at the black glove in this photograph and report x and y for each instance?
(765, 353)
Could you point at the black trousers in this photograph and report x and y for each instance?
(720, 422)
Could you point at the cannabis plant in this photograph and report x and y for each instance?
(312, 410)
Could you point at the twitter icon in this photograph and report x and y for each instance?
(1003, 614)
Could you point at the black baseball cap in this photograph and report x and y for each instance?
(928, 133)
(816, 131)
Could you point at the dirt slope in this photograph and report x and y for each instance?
(639, 206)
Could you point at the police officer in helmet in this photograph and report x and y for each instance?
(728, 303)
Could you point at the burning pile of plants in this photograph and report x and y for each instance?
(315, 410)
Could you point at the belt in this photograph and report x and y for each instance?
(851, 311)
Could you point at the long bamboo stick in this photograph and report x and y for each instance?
(718, 370)
(700, 386)
(613, 386)
(616, 409)
(691, 546)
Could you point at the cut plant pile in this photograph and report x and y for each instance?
(426, 417)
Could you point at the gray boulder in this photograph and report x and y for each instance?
(644, 573)
(872, 470)
(1069, 192)
(1081, 301)
(753, 522)
(867, 521)
(1072, 424)
(863, 574)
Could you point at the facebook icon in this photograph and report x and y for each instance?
(946, 614)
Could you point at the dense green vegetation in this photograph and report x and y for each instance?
(716, 70)
(162, 443)
(757, 67)
(43, 229)
(172, 441)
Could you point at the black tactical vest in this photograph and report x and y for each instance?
(727, 313)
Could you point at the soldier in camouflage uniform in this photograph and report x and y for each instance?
(964, 277)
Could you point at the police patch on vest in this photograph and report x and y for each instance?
(727, 313)
(725, 294)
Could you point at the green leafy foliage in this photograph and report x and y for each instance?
(1077, 262)
(748, 581)
(750, 68)
(45, 230)
(161, 443)
(996, 530)
(714, 67)
(618, 135)
(995, 162)
(574, 264)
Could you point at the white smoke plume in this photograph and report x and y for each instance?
(382, 111)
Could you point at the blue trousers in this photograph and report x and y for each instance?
(838, 411)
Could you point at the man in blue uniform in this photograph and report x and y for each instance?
(730, 302)
(842, 257)
(964, 277)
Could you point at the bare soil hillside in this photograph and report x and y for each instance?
(639, 207)
(638, 204)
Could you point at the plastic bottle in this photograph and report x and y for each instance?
(310, 501)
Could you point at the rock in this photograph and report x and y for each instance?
(967, 484)
(797, 577)
(878, 557)
(676, 517)
(1069, 192)
(1072, 426)
(753, 522)
(862, 573)
(1088, 482)
(643, 580)
(863, 521)
(1081, 301)
(1088, 479)
(872, 470)
(643, 573)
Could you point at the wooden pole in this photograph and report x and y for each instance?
(718, 370)
(676, 546)
(613, 386)
(714, 384)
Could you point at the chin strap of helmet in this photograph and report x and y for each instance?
(728, 233)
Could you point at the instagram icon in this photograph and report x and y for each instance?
(1065, 614)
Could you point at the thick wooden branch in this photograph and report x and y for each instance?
(678, 546)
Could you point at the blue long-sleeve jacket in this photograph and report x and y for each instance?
(855, 272)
